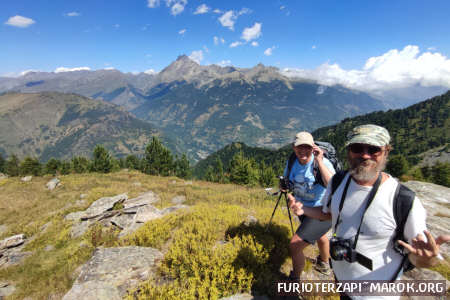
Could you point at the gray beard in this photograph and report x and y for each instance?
(365, 170)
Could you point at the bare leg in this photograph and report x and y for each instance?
(324, 248)
(296, 247)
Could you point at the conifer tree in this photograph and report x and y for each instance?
(158, 159)
(132, 162)
(102, 161)
(30, 166)
(182, 168)
(242, 170)
(441, 174)
(80, 164)
(65, 168)
(209, 174)
(267, 175)
(52, 166)
(218, 171)
(12, 166)
(2, 164)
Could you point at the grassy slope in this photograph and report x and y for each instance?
(215, 210)
(198, 262)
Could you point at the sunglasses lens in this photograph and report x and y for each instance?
(359, 148)
(373, 150)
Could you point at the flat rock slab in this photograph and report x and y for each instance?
(147, 213)
(12, 241)
(6, 289)
(112, 271)
(26, 178)
(102, 205)
(144, 199)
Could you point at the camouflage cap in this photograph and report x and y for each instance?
(368, 134)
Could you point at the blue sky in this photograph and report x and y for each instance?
(140, 35)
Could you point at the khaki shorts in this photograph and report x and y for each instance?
(310, 230)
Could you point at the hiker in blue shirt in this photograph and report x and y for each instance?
(310, 164)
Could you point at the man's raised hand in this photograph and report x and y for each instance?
(296, 207)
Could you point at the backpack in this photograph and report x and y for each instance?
(328, 152)
(402, 204)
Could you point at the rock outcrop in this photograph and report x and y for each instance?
(52, 184)
(112, 271)
(11, 250)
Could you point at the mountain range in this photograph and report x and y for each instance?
(58, 125)
(204, 108)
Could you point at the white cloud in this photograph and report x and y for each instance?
(109, 68)
(63, 69)
(217, 11)
(27, 71)
(224, 63)
(182, 31)
(72, 14)
(177, 8)
(196, 56)
(255, 44)
(282, 7)
(313, 47)
(152, 3)
(431, 48)
(228, 19)
(251, 33)
(235, 44)
(218, 40)
(395, 69)
(201, 9)
(19, 21)
(268, 51)
(150, 72)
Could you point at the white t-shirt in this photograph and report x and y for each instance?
(377, 230)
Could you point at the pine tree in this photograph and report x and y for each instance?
(209, 174)
(158, 159)
(65, 168)
(2, 164)
(218, 171)
(80, 164)
(12, 166)
(182, 168)
(242, 170)
(102, 161)
(441, 174)
(397, 165)
(30, 166)
(52, 166)
(132, 162)
(267, 175)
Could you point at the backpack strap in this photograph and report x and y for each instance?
(336, 180)
(317, 175)
(291, 162)
(403, 202)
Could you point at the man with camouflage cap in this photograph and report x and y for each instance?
(361, 210)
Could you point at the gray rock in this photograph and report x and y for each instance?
(112, 271)
(93, 290)
(171, 209)
(79, 228)
(3, 176)
(52, 184)
(103, 204)
(12, 241)
(45, 227)
(144, 199)
(147, 213)
(83, 196)
(178, 199)
(80, 202)
(436, 200)
(122, 220)
(250, 220)
(26, 178)
(75, 216)
(6, 289)
(12, 257)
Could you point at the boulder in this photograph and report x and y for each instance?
(6, 289)
(147, 213)
(26, 178)
(75, 216)
(52, 184)
(112, 271)
(144, 199)
(83, 196)
(3, 176)
(12, 241)
(102, 205)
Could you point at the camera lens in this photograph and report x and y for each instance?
(338, 252)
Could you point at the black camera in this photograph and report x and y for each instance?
(285, 184)
(341, 249)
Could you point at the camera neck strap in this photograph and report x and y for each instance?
(371, 196)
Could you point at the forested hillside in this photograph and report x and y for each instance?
(413, 130)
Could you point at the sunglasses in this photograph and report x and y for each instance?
(361, 148)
